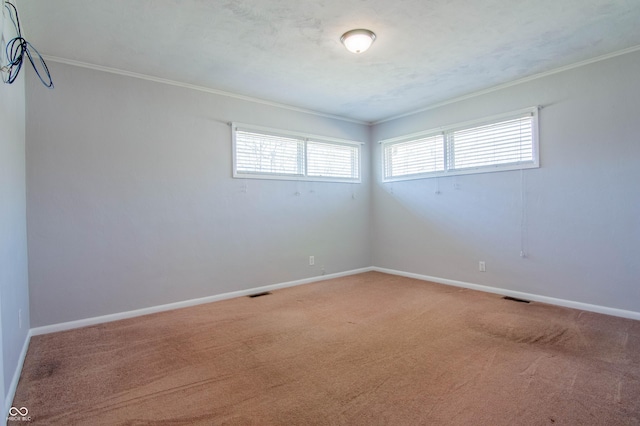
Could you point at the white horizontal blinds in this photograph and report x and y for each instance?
(269, 154)
(413, 157)
(501, 143)
(263, 153)
(332, 160)
(504, 142)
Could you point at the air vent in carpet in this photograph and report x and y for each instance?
(264, 293)
(515, 299)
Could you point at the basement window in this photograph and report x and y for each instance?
(263, 153)
(505, 142)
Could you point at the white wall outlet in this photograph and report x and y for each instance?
(312, 260)
(481, 266)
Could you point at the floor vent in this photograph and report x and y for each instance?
(515, 299)
(264, 293)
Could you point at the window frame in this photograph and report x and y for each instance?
(446, 131)
(305, 138)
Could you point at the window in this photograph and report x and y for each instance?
(413, 157)
(333, 160)
(505, 142)
(273, 154)
(268, 154)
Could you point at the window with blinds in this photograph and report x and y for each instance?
(269, 154)
(504, 143)
(414, 157)
(333, 160)
(272, 154)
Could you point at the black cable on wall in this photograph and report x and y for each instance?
(17, 49)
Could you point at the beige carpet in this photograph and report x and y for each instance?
(371, 349)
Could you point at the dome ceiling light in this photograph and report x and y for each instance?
(357, 41)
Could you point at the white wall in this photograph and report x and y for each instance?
(14, 286)
(131, 203)
(581, 228)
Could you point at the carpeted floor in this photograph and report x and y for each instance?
(370, 349)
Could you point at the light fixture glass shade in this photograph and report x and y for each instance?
(357, 41)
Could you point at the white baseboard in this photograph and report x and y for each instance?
(11, 392)
(520, 295)
(186, 303)
(193, 302)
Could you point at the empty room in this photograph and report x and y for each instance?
(290, 213)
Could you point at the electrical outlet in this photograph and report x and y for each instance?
(312, 260)
(482, 266)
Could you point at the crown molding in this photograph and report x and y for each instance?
(333, 116)
(511, 83)
(198, 88)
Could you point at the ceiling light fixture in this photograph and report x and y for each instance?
(357, 41)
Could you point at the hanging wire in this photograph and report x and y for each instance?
(523, 204)
(523, 216)
(17, 48)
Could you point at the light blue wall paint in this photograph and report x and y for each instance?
(581, 231)
(131, 202)
(14, 287)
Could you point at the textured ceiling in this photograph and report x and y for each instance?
(288, 51)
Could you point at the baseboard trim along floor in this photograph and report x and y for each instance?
(186, 303)
(240, 293)
(517, 294)
(16, 377)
